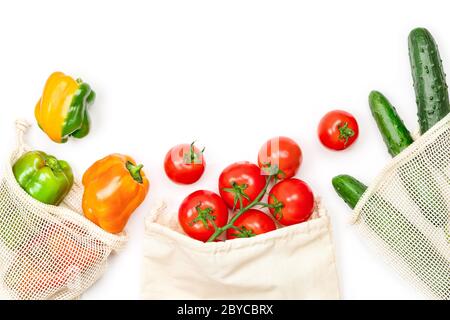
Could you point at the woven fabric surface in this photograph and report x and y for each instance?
(295, 262)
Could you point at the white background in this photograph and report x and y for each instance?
(229, 74)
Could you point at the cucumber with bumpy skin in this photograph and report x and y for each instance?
(395, 134)
(349, 189)
(429, 79)
(418, 252)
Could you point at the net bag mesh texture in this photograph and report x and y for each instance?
(404, 214)
(48, 252)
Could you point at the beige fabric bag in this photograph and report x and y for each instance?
(404, 214)
(47, 252)
(295, 262)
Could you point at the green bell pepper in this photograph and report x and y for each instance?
(43, 177)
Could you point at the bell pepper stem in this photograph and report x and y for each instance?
(135, 171)
(52, 163)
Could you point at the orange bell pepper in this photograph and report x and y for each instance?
(113, 188)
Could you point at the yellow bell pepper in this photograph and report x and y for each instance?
(61, 112)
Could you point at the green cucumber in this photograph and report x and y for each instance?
(349, 189)
(395, 134)
(418, 252)
(429, 79)
(426, 193)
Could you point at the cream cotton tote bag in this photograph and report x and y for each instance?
(296, 262)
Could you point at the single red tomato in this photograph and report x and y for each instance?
(184, 163)
(338, 130)
(198, 213)
(281, 153)
(250, 224)
(291, 201)
(241, 180)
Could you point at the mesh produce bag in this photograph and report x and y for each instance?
(47, 252)
(295, 262)
(404, 214)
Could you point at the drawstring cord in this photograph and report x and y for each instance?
(22, 127)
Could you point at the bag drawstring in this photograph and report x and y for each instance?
(320, 209)
(156, 212)
(416, 135)
(22, 127)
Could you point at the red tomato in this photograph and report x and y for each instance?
(197, 212)
(291, 201)
(184, 163)
(241, 179)
(251, 223)
(282, 153)
(338, 130)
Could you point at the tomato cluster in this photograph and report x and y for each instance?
(246, 191)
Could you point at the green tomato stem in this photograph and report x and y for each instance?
(252, 204)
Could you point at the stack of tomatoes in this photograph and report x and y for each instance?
(253, 198)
